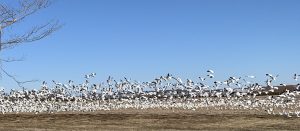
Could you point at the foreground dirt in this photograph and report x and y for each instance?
(149, 120)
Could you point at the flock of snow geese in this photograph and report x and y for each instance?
(164, 92)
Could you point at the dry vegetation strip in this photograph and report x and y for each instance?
(148, 120)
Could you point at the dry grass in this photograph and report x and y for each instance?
(149, 120)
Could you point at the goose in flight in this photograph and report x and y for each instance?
(44, 83)
(87, 76)
(210, 75)
(93, 75)
(246, 82)
(210, 71)
(272, 77)
(217, 83)
(202, 79)
(109, 81)
(57, 83)
(169, 76)
(189, 82)
(234, 79)
(298, 86)
(252, 77)
(282, 84)
(178, 80)
(269, 82)
(296, 76)
(90, 76)
(162, 78)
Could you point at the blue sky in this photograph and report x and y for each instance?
(145, 39)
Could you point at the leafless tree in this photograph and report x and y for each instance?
(10, 16)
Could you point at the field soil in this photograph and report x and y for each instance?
(149, 120)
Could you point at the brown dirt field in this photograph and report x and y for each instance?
(149, 120)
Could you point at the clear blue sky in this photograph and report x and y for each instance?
(143, 39)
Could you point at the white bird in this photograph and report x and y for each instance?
(269, 82)
(247, 82)
(298, 86)
(178, 80)
(210, 75)
(90, 76)
(189, 82)
(57, 83)
(217, 83)
(252, 77)
(93, 75)
(282, 84)
(87, 76)
(169, 76)
(210, 71)
(109, 79)
(44, 83)
(202, 79)
(272, 77)
(296, 76)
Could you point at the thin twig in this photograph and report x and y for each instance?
(20, 83)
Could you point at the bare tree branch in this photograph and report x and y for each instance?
(9, 16)
(36, 33)
(26, 7)
(11, 59)
(20, 83)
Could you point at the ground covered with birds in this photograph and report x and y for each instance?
(166, 103)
